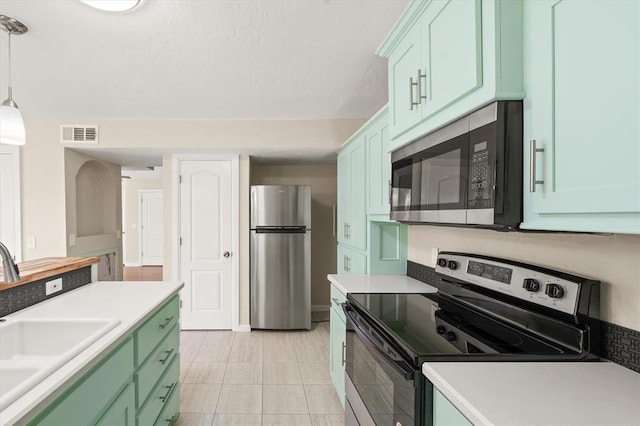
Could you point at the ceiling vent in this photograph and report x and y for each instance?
(78, 134)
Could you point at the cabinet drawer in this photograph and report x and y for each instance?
(123, 410)
(87, 401)
(161, 394)
(155, 329)
(155, 365)
(171, 409)
(337, 299)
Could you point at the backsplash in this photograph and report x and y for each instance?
(619, 344)
(25, 295)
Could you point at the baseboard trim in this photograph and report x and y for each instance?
(243, 328)
(320, 308)
(132, 265)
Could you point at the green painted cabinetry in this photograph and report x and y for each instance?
(352, 206)
(447, 58)
(445, 413)
(364, 170)
(582, 78)
(337, 352)
(136, 383)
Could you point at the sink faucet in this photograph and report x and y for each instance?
(9, 267)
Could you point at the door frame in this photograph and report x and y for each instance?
(174, 261)
(14, 152)
(140, 219)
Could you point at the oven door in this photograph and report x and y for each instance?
(383, 387)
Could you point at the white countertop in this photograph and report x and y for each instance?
(544, 393)
(129, 301)
(347, 283)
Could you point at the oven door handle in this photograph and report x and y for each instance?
(396, 360)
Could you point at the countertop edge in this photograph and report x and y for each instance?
(28, 406)
(463, 405)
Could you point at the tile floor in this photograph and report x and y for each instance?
(257, 378)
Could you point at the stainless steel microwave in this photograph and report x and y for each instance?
(467, 173)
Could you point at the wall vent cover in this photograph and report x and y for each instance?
(78, 134)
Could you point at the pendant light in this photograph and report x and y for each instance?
(11, 123)
(112, 5)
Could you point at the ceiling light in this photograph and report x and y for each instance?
(112, 5)
(11, 123)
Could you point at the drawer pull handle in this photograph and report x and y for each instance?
(344, 353)
(336, 301)
(171, 419)
(169, 353)
(533, 151)
(166, 322)
(166, 395)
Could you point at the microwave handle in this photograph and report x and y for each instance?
(390, 191)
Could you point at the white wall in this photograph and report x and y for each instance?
(612, 259)
(43, 181)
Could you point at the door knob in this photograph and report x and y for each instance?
(226, 254)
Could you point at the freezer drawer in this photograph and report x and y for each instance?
(281, 280)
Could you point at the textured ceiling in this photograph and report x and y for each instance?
(200, 59)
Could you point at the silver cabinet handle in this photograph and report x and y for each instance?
(344, 353)
(348, 231)
(169, 353)
(420, 77)
(344, 262)
(533, 151)
(166, 322)
(412, 103)
(390, 190)
(348, 263)
(336, 301)
(169, 390)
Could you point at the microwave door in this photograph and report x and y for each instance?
(443, 181)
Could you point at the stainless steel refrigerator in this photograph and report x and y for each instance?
(281, 257)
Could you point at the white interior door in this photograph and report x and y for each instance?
(10, 229)
(151, 227)
(206, 233)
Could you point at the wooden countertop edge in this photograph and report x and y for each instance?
(64, 264)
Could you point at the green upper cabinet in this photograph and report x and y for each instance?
(449, 57)
(351, 194)
(379, 162)
(582, 109)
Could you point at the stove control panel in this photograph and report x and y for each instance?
(535, 285)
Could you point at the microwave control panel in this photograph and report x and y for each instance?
(481, 186)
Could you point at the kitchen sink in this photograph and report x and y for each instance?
(32, 348)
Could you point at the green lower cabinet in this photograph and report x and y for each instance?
(94, 393)
(161, 394)
(445, 413)
(337, 351)
(123, 410)
(351, 261)
(136, 383)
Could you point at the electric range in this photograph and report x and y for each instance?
(486, 309)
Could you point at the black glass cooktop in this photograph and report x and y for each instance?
(428, 326)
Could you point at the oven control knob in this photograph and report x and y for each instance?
(452, 264)
(442, 262)
(450, 336)
(554, 291)
(440, 329)
(531, 285)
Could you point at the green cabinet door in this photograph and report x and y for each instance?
(582, 109)
(351, 261)
(451, 33)
(344, 186)
(445, 413)
(379, 165)
(357, 230)
(337, 354)
(123, 410)
(406, 74)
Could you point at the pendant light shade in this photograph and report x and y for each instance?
(11, 122)
(112, 5)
